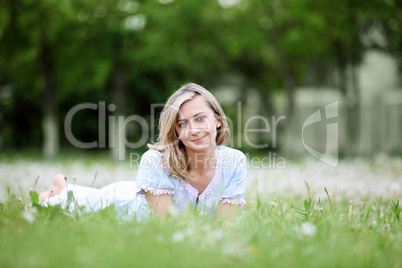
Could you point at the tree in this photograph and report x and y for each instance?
(31, 42)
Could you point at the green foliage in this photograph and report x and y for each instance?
(309, 209)
(70, 198)
(34, 196)
(310, 206)
(395, 208)
(329, 199)
(150, 47)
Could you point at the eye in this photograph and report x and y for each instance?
(201, 118)
(181, 125)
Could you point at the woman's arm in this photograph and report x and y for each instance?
(159, 204)
(226, 212)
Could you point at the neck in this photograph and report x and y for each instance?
(201, 161)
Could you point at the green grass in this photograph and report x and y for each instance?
(287, 233)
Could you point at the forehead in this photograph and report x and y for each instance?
(194, 106)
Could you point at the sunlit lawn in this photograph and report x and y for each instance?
(311, 234)
(286, 231)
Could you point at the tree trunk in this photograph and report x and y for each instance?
(50, 127)
(283, 68)
(117, 134)
(287, 78)
(289, 83)
(354, 110)
(345, 88)
(349, 86)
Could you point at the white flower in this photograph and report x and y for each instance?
(234, 248)
(218, 234)
(387, 227)
(189, 231)
(29, 215)
(308, 229)
(178, 236)
(172, 212)
(206, 227)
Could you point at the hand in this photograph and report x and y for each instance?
(159, 204)
(226, 212)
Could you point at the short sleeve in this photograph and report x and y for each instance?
(235, 190)
(152, 177)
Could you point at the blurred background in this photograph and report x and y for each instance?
(268, 58)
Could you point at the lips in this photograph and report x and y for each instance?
(198, 140)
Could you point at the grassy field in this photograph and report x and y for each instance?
(287, 233)
(353, 222)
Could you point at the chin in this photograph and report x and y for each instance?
(201, 147)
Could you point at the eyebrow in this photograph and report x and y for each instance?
(192, 116)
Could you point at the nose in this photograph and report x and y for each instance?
(193, 128)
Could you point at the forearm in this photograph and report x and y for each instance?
(226, 212)
(159, 204)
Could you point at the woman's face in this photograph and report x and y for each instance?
(196, 124)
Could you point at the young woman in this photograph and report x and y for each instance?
(188, 168)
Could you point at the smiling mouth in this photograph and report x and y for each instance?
(198, 140)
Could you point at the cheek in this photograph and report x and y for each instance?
(208, 124)
(181, 132)
(178, 131)
(204, 125)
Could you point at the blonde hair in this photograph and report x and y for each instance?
(173, 151)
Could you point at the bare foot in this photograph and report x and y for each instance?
(58, 184)
(45, 195)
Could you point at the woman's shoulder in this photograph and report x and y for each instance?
(234, 167)
(232, 159)
(151, 172)
(152, 155)
(231, 153)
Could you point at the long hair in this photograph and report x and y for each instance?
(173, 151)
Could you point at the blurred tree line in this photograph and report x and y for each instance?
(57, 54)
